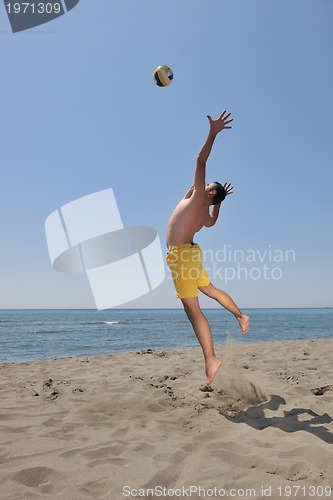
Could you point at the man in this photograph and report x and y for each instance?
(185, 257)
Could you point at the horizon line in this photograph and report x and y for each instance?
(147, 308)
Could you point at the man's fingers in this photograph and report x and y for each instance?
(221, 115)
(227, 127)
(228, 187)
(228, 121)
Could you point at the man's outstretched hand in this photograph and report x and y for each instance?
(221, 123)
(228, 188)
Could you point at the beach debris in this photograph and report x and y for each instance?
(76, 390)
(54, 395)
(157, 386)
(169, 392)
(161, 354)
(320, 391)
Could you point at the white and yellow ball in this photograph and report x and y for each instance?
(163, 76)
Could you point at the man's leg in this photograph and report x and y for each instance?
(203, 332)
(226, 301)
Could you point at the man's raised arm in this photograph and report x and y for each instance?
(215, 127)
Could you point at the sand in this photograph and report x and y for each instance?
(129, 425)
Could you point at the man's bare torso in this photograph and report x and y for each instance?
(189, 216)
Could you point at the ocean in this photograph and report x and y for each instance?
(30, 335)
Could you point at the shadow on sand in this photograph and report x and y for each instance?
(255, 417)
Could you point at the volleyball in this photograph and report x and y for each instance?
(163, 76)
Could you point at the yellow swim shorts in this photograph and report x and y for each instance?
(188, 273)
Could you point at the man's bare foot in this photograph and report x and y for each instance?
(211, 369)
(244, 322)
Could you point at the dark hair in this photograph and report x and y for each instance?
(220, 193)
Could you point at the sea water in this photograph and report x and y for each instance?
(28, 335)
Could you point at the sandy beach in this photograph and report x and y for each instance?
(140, 424)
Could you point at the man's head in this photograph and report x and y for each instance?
(216, 192)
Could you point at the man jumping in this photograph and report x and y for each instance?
(184, 257)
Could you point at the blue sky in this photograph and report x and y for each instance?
(80, 113)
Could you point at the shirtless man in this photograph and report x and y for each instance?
(185, 257)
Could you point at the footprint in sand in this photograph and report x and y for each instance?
(44, 479)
